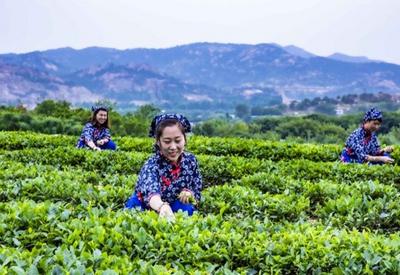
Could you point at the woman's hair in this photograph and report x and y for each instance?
(93, 120)
(167, 123)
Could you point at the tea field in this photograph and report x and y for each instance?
(267, 207)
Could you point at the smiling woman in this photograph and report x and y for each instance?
(170, 180)
(96, 133)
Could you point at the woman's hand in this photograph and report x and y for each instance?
(388, 149)
(165, 211)
(383, 159)
(93, 146)
(163, 208)
(185, 196)
(100, 142)
(386, 159)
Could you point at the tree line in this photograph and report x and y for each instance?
(59, 117)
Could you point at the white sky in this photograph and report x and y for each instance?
(355, 27)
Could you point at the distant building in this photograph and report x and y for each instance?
(342, 109)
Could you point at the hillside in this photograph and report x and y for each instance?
(201, 75)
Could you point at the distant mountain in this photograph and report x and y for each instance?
(336, 56)
(140, 84)
(298, 51)
(194, 76)
(349, 58)
(31, 86)
(34, 60)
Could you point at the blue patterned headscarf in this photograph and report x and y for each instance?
(97, 108)
(372, 114)
(178, 117)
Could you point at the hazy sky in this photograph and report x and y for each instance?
(355, 27)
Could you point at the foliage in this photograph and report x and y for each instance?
(267, 207)
(52, 117)
(315, 128)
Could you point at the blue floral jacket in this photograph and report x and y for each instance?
(91, 133)
(362, 143)
(160, 176)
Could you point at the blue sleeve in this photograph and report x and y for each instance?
(149, 181)
(87, 132)
(355, 143)
(106, 134)
(376, 146)
(197, 182)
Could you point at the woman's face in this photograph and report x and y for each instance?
(101, 117)
(372, 125)
(172, 143)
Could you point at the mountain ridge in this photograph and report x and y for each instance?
(210, 74)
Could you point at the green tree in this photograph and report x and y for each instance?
(326, 108)
(147, 112)
(242, 111)
(53, 108)
(137, 124)
(303, 128)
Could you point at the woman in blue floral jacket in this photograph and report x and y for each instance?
(96, 133)
(170, 180)
(362, 145)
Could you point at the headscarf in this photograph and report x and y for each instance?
(159, 118)
(372, 114)
(100, 107)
